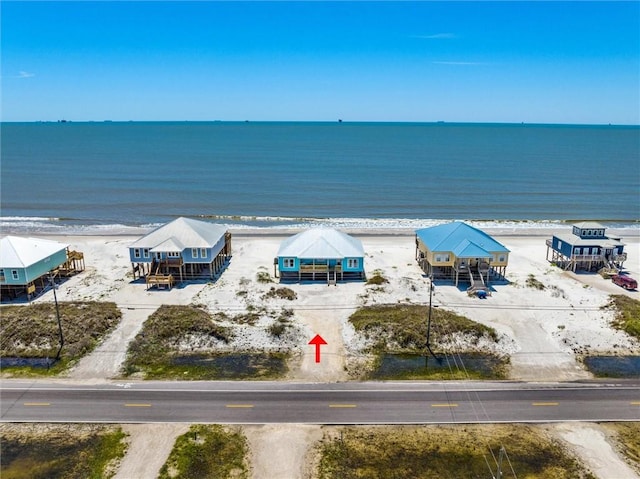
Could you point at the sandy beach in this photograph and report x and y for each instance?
(543, 331)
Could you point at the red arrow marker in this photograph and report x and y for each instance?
(317, 341)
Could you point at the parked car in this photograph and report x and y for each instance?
(627, 282)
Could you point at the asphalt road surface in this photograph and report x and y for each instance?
(335, 403)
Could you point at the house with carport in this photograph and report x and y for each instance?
(320, 254)
(461, 252)
(184, 248)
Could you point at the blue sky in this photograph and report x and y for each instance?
(543, 62)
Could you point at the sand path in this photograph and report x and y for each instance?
(149, 447)
(590, 443)
(539, 357)
(107, 359)
(281, 451)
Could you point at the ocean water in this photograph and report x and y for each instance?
(94, 175)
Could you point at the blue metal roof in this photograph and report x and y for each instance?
(459, 237)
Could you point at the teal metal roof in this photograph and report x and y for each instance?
(461, 239)
(468, 249)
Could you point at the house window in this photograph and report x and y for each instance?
(352, 263)
(203, 252)
(576, 250)
(2, 279)
(173, 254)
(194, 252)
(502, 258)
(559, 244)
(14, 274)
(288, 262)
(136, 253)
(145, 253)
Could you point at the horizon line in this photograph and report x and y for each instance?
(434, 122)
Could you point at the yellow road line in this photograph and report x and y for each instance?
(246, 406)
(137, 405)
(343, 405)
(544, 403)
(37, 404)
(635, 403)
(444, 405)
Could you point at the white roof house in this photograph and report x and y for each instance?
(24, 260)
(182, 233)
(321, 253)
(17, 252)
(321, 243)
(183, 241)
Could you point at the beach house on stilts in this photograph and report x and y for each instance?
(182, 249)
(28, 265)
(322, 254)
(462, 253)
(587, 247)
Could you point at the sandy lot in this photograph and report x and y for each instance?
(542, 330)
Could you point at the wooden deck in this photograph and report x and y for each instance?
(160, 280)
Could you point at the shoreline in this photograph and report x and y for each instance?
(251, 226)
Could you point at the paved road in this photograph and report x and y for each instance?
(341, 403)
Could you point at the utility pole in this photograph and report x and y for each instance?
(500, 458)
(428, 346)
(55, 299)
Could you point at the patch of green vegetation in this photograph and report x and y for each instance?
(154, 347)
(84, 452)
(445, 451)
(532, 282)
(207, 451)
(628, 440)
(263, 276)
(627, 314)
(221, 366)
(446, 367)
(32, 332)
(377, 278)
(282, 293)
(403, 327)
(281, 324)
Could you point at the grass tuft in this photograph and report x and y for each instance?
(377, 278)
(532, 282)
(207, 451)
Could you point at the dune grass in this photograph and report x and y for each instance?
(445, 451)
(61, 451)
(627, 314)
(207, 451)
(403, 327)
(628, 440)
(400, 329)
(159, 351)
(31, 331)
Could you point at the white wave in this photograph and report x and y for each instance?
(20, 219)
(30, 225)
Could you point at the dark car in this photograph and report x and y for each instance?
(627, 282)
